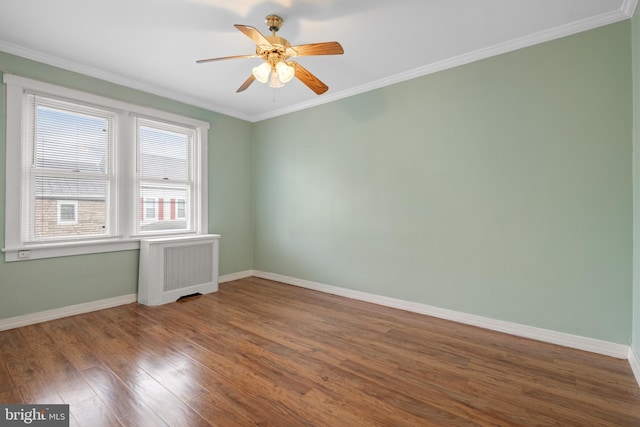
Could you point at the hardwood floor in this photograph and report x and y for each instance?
(263, 353)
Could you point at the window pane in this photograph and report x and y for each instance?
(165, 176)
(70, 147)
(163, 154)
(163, 208)
(70, 141)
(87, 216)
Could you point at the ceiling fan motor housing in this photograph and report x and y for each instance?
(274, 22)
(279, 50)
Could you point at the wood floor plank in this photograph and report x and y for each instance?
(93, 413)
(301, 375)
(370, 373)
(167, 366)
(66, 335)
(264, 353)
(24, 368)
(221, 409)
(251, 382)
(56, 368)
(599, 410)
(105, 341)
(521, 410)
(121, 401)
(8, 382)
(164, 403)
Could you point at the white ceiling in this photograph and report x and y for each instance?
(152, 45)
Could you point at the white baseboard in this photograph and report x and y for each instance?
(635, 365)
(58, 313)
(619, 351)
(235, 276)
(72, 310)
(592, 345)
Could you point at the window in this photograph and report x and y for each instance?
(181, 209)
(68, 154)
(149, 210)
(95, 174)
(67, 212)
(165, 173)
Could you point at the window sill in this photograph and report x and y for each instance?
(52, 250)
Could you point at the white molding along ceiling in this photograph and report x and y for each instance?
(153, 45)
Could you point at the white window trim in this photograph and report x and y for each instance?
(124, 160)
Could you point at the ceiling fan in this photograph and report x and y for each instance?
(276, 52)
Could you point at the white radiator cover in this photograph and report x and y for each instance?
(172, 267)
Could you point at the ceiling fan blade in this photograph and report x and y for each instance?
(246, 83)
(253, 34)
(200, 61)
(327, 48)
(311, 81)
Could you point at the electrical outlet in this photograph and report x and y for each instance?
(24, 254)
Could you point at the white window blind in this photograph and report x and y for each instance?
(165, 176)
(71, 154)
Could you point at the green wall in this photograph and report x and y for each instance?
(636, 188)
(502, 188)
(37, 285)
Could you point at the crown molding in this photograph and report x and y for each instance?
(629, 7)
(626, 11)
(117, 79)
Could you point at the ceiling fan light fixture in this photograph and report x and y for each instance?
(261, 72)
(285, 71)
(275, 51)
(275, 81)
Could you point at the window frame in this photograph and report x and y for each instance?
(125, 164)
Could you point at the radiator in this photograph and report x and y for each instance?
(173, 267)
